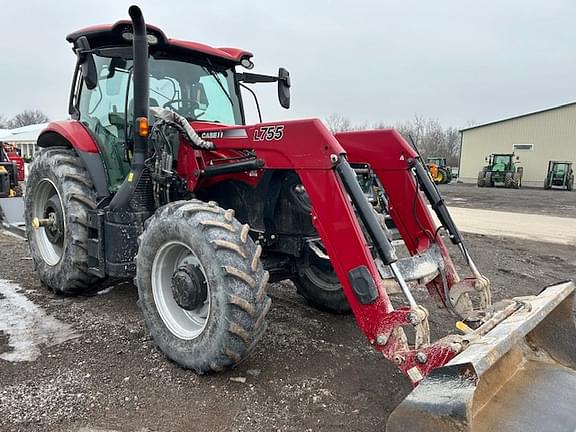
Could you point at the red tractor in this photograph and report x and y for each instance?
(157, 177)
(11, 172)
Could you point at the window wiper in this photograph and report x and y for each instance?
(211, 72)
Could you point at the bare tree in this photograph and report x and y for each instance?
(430, 137)
(4, 123)
(336, 122)
(427, 134)
(28, 117)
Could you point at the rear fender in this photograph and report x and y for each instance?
(73, 134)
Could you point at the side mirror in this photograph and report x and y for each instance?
(87, 63)
(486, 159)
(517, 157)
(284, 88)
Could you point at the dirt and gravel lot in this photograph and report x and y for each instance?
(554, 202)
(312, 371)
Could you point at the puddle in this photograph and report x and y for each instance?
(25, 327)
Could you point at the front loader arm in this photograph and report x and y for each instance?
(451, 369)
(319, 158)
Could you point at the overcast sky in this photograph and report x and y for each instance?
(375, 61)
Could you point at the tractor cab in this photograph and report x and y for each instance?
(560, 174)
(440, 161)
(501, 162)
(502, 168)
(198, 82)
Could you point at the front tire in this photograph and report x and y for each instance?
(201, 285)
(59, 189)
(317, 282)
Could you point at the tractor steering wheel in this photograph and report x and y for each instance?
(190, 112)
(172, 102)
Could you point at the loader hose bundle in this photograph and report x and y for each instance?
(180, 123)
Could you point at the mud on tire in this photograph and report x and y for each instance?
(61, 168)
(236, 285)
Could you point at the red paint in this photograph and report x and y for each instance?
(306, 147)
(103, 35)
(230, 54)
(73, 131)
(15, 157)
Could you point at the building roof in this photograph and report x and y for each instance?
(518, 116)
(22, 134)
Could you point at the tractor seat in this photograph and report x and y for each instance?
(151, 102)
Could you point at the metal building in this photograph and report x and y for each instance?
(536, 138)
(24, 138)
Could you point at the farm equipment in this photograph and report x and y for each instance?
(157, 177)
(440, 172)
(503, 169)
(560, 174)
(11, 173)
(11, 203)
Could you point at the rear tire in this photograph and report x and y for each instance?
(570, 184)
(59, 184)
(440, 176)
(481, 179)
(317, 282)
(220, 328)
(516, 181)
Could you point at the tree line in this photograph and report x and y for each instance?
(25, 118)
(427, 134)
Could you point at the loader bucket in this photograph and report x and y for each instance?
(12, 215)
(520, 376)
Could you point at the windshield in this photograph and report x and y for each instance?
(503, 160)
(199, 93)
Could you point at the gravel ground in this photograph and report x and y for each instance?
(554, 202)
(311, 372)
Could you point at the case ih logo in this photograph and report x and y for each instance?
(226, 133)
(212, 135)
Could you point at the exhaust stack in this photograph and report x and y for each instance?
(141, 101)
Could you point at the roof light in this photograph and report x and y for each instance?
(129, 36)
(246, 62)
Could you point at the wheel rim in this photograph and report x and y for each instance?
(182, 323)
(321, 273)
(49, 239)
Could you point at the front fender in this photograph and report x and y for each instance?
(72, 134)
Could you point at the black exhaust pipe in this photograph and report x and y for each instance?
(140, 78)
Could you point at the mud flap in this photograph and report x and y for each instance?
(12, 215)
(520, 376)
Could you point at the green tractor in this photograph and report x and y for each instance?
(440, 172)
(560, 174)
(501, 168)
